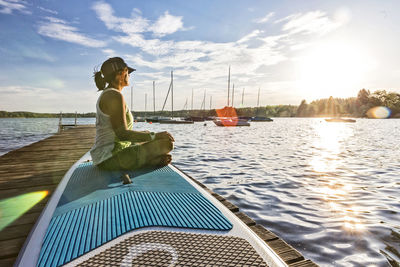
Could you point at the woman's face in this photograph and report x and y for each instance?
(123, 78)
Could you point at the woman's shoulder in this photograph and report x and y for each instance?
(111, 95)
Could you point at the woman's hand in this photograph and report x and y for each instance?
(164, 135)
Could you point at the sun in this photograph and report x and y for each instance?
(335, 69)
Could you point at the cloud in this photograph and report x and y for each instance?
(105, 13)
(265, 19)
(250, 36)
(109, 52)
(48, 10)
(59, 29)
(309, 23)
(8, 6)
(166, 24)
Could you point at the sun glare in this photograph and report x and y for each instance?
(12, 208)
(335, 191)
(333, 69)
(379, 112)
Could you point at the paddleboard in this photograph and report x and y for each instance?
(163, 218)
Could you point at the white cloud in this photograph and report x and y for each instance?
(109, 52)
(58, 29)
(311, 22)
(166, 24)
(154, 47)
(105, 13)
(8, 6)
(265, 19)
(48, 10)
(137, 11)
(250, 36)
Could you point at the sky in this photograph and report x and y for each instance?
(287, 50)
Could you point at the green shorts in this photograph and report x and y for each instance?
(137, 155)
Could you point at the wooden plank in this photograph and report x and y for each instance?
(303, 263)
(263, 233)
(7, 193)
(246, 219)
(7, 262)
(10, 248)
(19, 179)
(37, 167)
(285, 251)
(16, 231)
(27, 218)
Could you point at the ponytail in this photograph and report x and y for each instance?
(99, 80)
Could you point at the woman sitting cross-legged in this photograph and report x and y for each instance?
(117, 146)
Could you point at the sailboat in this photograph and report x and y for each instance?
(153, 118)
(260, 118)
(172, 120)
(227, 116)
(202, 107)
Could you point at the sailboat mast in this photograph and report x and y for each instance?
(229, 81)
(145, 105)
(258, 98)
(204, 100)
(172, 94)
(242, 96)
(192, 99)
(210, 101)
(233, 93)
(154, 98)
(131, 99)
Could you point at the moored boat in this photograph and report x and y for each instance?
(260, 119)
(230, 122)
(339, 120)
(195, 118)
(175, 121)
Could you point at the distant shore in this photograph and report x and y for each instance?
(283, 111)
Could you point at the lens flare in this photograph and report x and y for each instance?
(13, 208)
(379, 112)
(228, 116)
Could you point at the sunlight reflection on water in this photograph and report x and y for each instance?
(328, 144)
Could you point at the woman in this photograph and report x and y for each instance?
(117, 146)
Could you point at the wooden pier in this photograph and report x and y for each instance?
(39, 167)
(34, 168)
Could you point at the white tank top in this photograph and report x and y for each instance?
(105, 135)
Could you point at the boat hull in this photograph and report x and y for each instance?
(175, 122)
(231, 122)
(340, 120)
(261, 119)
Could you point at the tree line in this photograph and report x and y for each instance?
(352, 106)
(27, 114)
(328, 107)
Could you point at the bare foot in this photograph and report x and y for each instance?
(160, 161)
(126, 179)
(152, 150)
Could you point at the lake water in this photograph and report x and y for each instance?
(331, 190)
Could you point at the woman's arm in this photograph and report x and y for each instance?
(112, 103)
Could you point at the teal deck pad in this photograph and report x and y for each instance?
(96, 208)
(89, 184)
